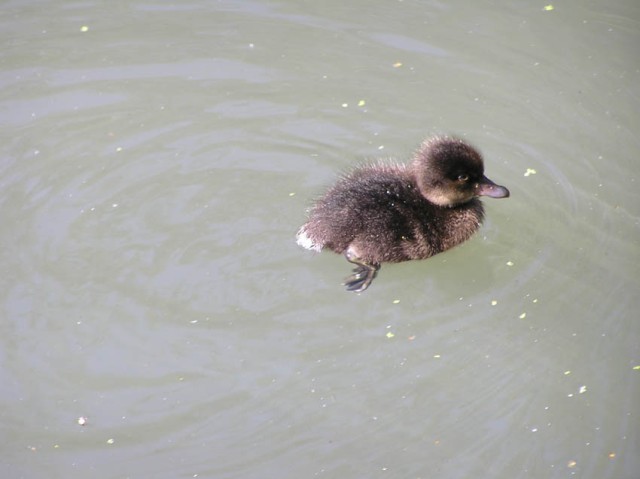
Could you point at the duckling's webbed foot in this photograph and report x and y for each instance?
(362, 275)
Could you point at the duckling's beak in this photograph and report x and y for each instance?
(486, 187)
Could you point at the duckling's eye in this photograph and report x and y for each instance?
(463, 178)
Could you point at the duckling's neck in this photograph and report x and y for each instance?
(436, 195)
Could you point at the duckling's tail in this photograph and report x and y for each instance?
(304, 240)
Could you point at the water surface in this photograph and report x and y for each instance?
(157, 159)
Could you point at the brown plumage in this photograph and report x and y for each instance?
(391, 213)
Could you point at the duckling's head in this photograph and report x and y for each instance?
(450, 172)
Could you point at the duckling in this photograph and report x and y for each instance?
(399, 212)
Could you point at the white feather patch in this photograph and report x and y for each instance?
(303, 240)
